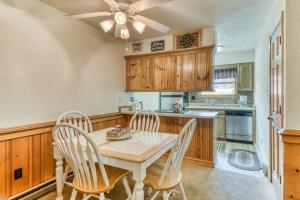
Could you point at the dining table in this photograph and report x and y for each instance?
(135, 154)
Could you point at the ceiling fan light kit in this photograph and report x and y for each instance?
(139, 26)
(124, 12)
(120, 18)
(107, 25)
(124, 33)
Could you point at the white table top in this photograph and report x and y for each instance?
(138, 148)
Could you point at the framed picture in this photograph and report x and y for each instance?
(158, 45)
(187, 40)
(137, 47)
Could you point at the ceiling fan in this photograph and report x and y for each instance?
(123, 13)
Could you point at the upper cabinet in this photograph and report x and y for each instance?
(188, 70)
(245, 77)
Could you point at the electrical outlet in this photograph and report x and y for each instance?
(18, 173)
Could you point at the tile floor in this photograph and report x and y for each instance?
(223, 150)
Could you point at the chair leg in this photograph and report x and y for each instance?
(182, 191)
(66, 172)
(149, 191)
(165, 195)
(74, 194)
(127, 188)
(101, 196)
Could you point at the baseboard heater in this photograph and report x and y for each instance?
(38, 190)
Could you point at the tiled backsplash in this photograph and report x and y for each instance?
(196, 97)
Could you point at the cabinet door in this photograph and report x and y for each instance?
(219, 127)
(159, 73)
(133, 74)
(192, 148)
(203, 71)
(245, 77)
(170, 73)
(147, 74)
(164, 73)
(185, 72)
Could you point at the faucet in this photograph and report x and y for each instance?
(141, 103)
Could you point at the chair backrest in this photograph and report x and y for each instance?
(77, 119)
(172, 168)
(81, 153)
(145, 120)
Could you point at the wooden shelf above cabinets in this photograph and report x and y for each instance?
(184, 70)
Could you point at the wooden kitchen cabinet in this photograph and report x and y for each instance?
(139, 74)
(164, 73)
(201, 148)
(185, 70)
(203, 71)
(245, 77)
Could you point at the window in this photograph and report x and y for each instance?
(224, 82)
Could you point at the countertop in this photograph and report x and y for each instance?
(220, 107)
(189, 114)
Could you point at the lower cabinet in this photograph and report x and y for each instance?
(201, 148)
(291, 164)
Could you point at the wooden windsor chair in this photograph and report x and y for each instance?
(145, 120)
(165, 176)
(79, 120)
(91, 177)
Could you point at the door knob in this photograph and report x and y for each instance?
(270, 118)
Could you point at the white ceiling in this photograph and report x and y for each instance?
(237, 22)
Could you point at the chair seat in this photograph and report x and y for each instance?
(114, 175)
(154, 173)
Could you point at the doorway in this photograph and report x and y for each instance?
(276, 106)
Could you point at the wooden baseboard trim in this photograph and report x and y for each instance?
(202, 163)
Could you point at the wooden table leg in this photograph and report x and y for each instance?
(59, 173)
(138, 176)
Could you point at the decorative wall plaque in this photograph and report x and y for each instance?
(187, 41)
(137, 47)
(158, 45)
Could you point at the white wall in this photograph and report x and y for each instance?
(208, 38)
(262, 77)
(49, 65)
(222, 58)
(292, 106)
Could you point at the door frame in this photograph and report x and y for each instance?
(280, 23)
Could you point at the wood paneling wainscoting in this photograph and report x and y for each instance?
(291, 157)
(30, 148)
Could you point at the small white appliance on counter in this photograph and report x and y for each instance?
(243, 100)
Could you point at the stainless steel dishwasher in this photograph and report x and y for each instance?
(239, 126)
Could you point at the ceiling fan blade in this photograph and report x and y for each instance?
(152, 24)
(146, 4)
(88, 15)
(118, 30)
(112, 3)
